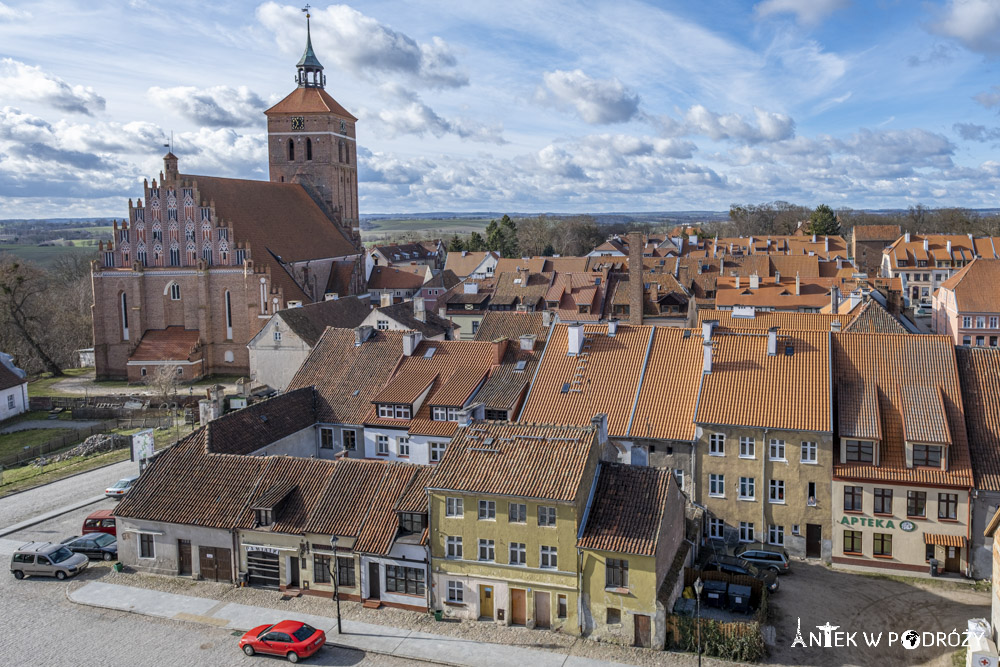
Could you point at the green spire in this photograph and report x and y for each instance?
(310, 70)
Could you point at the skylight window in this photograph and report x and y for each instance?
(430, 352)
(565, 388)
(520, 365)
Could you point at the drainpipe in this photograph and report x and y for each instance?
(430, 542)
(764, 486)
(579, 590)
(235, 558)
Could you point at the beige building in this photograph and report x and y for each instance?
(967, 305)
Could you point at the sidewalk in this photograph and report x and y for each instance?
(397, 642)
(51, 514)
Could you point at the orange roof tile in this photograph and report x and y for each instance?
(669, 392)
(979, 372)
(382, 522)
(764, 320)
(517, 459)
(512, 325)
(924, 419)
(886, 363)
(963, 249)
(309, 99)
(813, 293)
(350, 491)
(748, 387)
(873, 318)
(875, 232)
(628, 508)
(967, 284)
(398, 276)
(170, 344)
(604, 378)
(406, 386)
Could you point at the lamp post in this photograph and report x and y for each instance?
(698, 586)
(334, 569)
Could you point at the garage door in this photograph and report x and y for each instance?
(215, 564)
(262, 569)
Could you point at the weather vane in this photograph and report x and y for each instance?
(306, 10)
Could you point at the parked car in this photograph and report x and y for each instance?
(766, 557)
(120, 488)
(733, 565)
(94, 545)
(101, 521)
(46, 559)
(292, 639)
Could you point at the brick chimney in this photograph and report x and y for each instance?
(635, 278)
(419, 310)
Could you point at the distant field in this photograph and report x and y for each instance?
(45, 256)
(424, 226)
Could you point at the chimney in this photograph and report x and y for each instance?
(707, 365)
(772, 341)
(419, 312)
(814, 238)
(906, 237)
(464, 253)
(527, 342)
(798, 285)
(677, 265)
(635, 278)
(385, 299)
(927, 244)
(948, 247)
(777, 277)
(500, 349)
(706, 329)
(612, 328)
(546, 318)
(754, 280)
(574, 333)
(411, 339)
(722, 266)
(443, 311)
(600, 424)
(835, 325)
(834, 299)
(737, 282)
(470, 413)
(362, 333)
(826, 244)
(470, 287)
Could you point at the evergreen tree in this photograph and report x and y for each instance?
(824, 221)
(476, 243)
(456, 245)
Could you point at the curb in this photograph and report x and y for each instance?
(328, 642)
(34, 521)
(82, 472)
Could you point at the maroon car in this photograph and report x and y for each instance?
(101, 521)
(292, 639)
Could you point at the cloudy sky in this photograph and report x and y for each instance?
(616, 105)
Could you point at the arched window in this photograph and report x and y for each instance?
(174, 290)
(347, 154)
(340, 151)
(309, 148)
(124, 306)
(229, 317)
(291, 150)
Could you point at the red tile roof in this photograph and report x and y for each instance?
(669, 392)
(979, 371)
(170, 344)
(628, 509)
(764, 320)
(967, 284)
(257, 426)
(884, 364)
(512, 325)
(398, 277)
(464, 263)
(873, 318)
(382, 522)
(924, 418)
(963, 248)
(876, 232)
(309, 99)
(523, 460)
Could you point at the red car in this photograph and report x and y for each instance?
(101, 521)
(292, 639)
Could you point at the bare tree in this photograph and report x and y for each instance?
(164, 380)
(27, 315)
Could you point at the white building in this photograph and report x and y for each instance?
(13, 388)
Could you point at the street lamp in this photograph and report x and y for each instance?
(698, 586)
(334, 569)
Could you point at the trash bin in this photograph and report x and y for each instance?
(934, 566)
(438, 614)
(118, 567)
(739, 598)
(715, 593)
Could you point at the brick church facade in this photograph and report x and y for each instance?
(203, 262)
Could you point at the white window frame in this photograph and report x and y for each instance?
(776, 535)
(454, 508)
(966, 321)
(748, 484)
(777, 445)
(456, 592)
(679, 476)
(549, 514)
(403, 446)
(717, 444)
(385, 411)
(439, 414)
(994, 321)
(487, 510)
(746, 531)
(402, 412)
(350, 443)
(716, 485)
(748, 448)
(487, 548)
(716, 527)
(382, 445)
(10, 401)
(980, 321)
(548, 558)
(437, 451)
(382, 325)
(809, 452)
(775, 488)
(517, 554)
(453, 546)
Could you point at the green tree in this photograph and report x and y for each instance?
(476, 243)
(456, 245)
(824, 221)
(548, 251)
(501, 236)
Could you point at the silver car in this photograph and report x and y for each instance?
(120, 488)
(47, 559)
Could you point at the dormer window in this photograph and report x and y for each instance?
(391, 411)
(265, 517)
(412, 522)
(859, 451)
(927, 456)
(441, 414)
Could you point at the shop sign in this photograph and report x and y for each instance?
(864, 521)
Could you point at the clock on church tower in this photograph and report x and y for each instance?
(298, 123)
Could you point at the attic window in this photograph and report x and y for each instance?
(430, 352)
(263, 418)
(355, 392)
(520, 365)
(789, 350)
(565, 388)
(264, 517)
(517, 281)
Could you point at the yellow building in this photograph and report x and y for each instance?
(633, 531)
(506, 506)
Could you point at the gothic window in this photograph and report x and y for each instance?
(109, 259)
(206, 254)
(158, 255)
(309, 149)
(171, 214)
(229, 317)
(140, 214)
(223, 233)
(125, 258)
(340, 151)
(171, 198)
(347, 154)
(291, 150)
(124, 315)
(206, 232)
(192, 253)
(206, 213)
(123, 235)
(241, 256)
(157, 232)
(140, 254)
(175, 255)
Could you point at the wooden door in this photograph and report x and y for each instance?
(206, 562)
(184, 557)
(814, 540)
(485, 601)
(223, 564)
(543, 611)
(518, 607)
(293, 571)
(374, 587)
(952, 559)
(642, 631)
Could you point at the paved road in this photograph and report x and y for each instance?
(48, 423)
(22, 506)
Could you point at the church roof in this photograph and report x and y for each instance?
(309, 100)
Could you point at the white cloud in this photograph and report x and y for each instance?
(974, 23)
(989, 98)
(19, 81)
(361, 45)
(596, 101)
(219, 106)
(807, 12)
(407, 114)
(981, 133)
(8, 13)
(764, 126)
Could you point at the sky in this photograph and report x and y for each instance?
(520, 106)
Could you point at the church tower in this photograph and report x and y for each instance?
(311, 140)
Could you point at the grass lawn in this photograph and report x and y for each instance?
(43, 385)
(12, 443)
(45, 255)
(427, 228)
(26, 477)
(33, 416)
